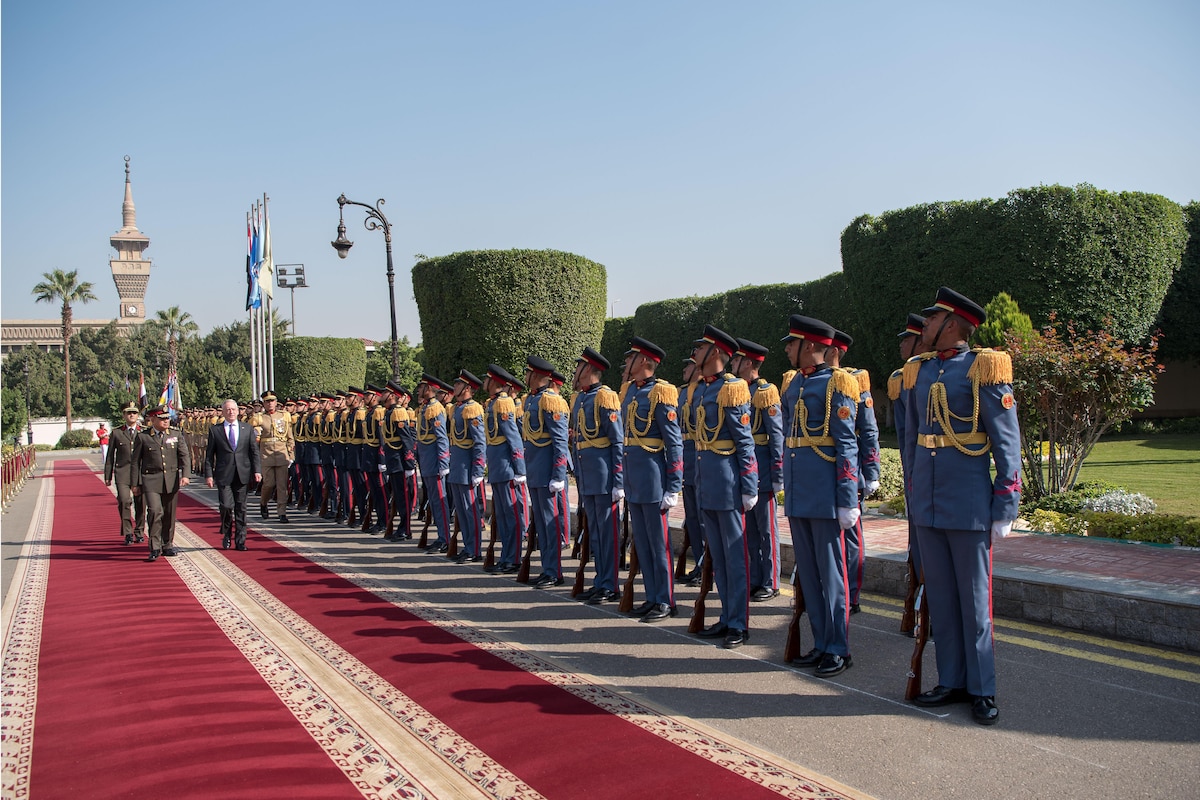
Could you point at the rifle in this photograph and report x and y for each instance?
(706, 584)
(531, 537)
(452, 548)
(490, 561)
(627, 592)
(921, 634)
(791, 648)
(681, 563)
(908, 619)
(584, 542)
(427, 514)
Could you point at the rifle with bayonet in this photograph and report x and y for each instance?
(584, 543)
(791, 647)
(706, 584)
(921, 634)
(626, 604)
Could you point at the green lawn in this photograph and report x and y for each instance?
(1165, 467)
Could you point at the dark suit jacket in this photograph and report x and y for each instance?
(159, 462)
(118, 465)
(223, 464)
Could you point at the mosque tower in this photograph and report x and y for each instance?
(130, 268)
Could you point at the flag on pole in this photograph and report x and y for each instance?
(253, 293)
(266, 272)
(142, 395)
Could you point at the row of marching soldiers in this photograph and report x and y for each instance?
(728, 442)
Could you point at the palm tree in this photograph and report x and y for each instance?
(65, 286)
(178, 326)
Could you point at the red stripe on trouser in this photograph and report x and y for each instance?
(666, 532)
(746, 568)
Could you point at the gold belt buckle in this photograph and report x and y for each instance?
(931, 441)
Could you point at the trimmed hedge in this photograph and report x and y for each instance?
(76, 438)
(1160, 528)
(1180, 316)
(617, 333)
(307, 364)
(1091, 255)
(502, 306)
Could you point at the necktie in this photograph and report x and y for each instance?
(232, 437)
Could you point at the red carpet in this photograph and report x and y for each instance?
(140, 693)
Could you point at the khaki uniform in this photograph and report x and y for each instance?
(276, 449)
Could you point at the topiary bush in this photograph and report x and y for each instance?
(75, 439)
(1159, 528)
(307, 364)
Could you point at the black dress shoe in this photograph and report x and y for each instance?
(714, 631)
(735, 638)
(129, 539)
(642, 609)
(603, 596)
(169, 551)
(659, 612)
(763, 594)
(546, 581)
(240, 546)
(984, 710)
(225, 542)
(139, 538)
(462, 557)
(509, 569)
(832, 664)
(855, 608)
(283, 518)
(941, 696)
(809, 659)
(263, 511)
(153, 556)
(587, 594)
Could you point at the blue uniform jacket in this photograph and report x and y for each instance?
(899, 397)
(544, 429)
(394, 435)
(653, 441)
(433, 443)
(866, 429)
(948, 488)
(505, 450)
(820, 457)
(467, 442)
(687, 423)
(597, 440)
(766, 426)
(725, 465)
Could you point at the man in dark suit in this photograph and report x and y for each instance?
(161, 464)
(232, 461)
(118, 465)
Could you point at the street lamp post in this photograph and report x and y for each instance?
(291, 280)
(374, 221)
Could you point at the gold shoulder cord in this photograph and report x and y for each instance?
(634, 434)
(801, 429)
(938, 410)
(706, 437)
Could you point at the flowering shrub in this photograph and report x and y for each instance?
(1055, 522)
(1120, 501)
(1161, 528)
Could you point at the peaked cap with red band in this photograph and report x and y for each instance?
(802, 327)
(955, 303)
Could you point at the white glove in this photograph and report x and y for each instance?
(444, 472)
(1002, 527)
(383, 467)
(618, 494)
(519, 479)
(408, 473)
(749, 501)
(871, 488)
(668, 501)
(847, 517)
(557, 486)
(477, 481)
(777, 487)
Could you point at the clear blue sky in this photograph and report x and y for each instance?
(690, 147)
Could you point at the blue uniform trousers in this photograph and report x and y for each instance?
(399, 486)
(343, 473)
(604, 537)
(549, 523)
(762, 542)
(652, 538)
(821, 566)
(439, 506)
(958, 588)
(727, 546)
(470, 521)
(694, 521)
(505, 500)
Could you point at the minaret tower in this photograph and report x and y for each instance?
(130, 269)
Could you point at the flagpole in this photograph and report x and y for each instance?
(269, 257)
(249, 298)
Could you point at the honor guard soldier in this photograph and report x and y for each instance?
(354, 433)
(505, 464)
(820, 478)
(276, 451)
(340, 433)
(652, 472)
(296, 486)
(961, 410)
(726, 480)
(309, 426)
(867, 431)
(692, 519)
(598, 442)
(467, 459)
(433, 456)
(161, 466)
(372, 462)
(409, 434)
(766, 426)
(557, 381)
(544, 430)
(118, 466)
(330, 480)
(910, 341)
(399, 460)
